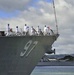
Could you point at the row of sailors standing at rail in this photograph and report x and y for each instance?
(32, 31)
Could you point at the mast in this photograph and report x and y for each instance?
(55, 16)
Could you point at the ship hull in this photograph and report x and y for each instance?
(20, 54)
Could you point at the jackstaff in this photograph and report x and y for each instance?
(55, 16)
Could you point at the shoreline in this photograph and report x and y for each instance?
(56, 63)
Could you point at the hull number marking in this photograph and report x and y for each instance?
(30, 44)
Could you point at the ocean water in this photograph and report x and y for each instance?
(53, 70)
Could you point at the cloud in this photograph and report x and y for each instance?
(42, 14)
(13, 5)
(70, 2)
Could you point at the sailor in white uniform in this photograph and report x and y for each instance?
(8, 30)
(28, 30)
(17, 30)
(33, 31)
(38, 31)
(25, 29)
(48, 30)
(45, 30)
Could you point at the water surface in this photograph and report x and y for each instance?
(53, 70)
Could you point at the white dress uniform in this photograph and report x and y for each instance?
(32, 31)
(25, 29)
(38, 30)
(7, 30)
(17, 30)
(45, 30)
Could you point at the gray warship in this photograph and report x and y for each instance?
(20, 54)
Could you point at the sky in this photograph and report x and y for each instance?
(40, 12)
